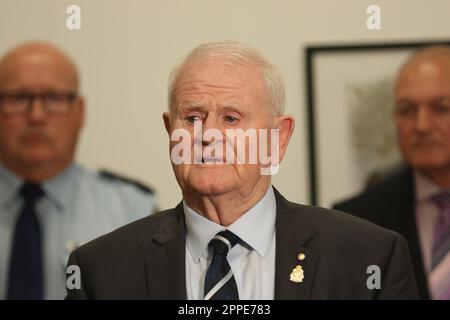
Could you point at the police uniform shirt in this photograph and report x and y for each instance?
(79, 205)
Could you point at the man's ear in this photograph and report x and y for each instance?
(166, 118)
(286, 125)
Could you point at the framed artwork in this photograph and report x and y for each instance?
(351, 134)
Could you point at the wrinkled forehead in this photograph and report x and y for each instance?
(36, 70)
(218, 75)
(216, 67)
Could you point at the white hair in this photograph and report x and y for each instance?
(235, 53)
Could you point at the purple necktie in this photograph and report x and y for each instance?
(440, 265)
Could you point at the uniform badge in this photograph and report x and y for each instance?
(297, 274)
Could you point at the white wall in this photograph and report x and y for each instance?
(126, 48)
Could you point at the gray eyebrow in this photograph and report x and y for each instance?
(203, 104)
(232, 104)
(195, 103)
(191, 104)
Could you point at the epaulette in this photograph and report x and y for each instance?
(106, 174)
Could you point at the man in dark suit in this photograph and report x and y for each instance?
(234, 236)
(414, 201)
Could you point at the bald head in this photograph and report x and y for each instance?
(37, 65)
(425, 59)
(36, 143)
(422, 112)
(427, 53)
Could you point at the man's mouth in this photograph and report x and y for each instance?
(425, 143)
(207, 160)
(34, 138)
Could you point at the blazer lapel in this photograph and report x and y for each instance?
(293, 232)
(165, 262)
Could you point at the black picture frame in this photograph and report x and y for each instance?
(312, 54)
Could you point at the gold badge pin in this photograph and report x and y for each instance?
(301, 256)
(297, 274)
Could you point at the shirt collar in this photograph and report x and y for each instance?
(9, 186)
(256, 227)
(425, 189)
(57, 189)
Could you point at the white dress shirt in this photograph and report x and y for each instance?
(253, 266)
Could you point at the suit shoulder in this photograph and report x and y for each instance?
(334, 225)
(390, 188)
(329, 223)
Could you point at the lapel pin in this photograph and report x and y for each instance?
(301, 256)
(297, 274)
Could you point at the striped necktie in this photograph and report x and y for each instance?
(219, 281)
(440, 267)
(25, 268)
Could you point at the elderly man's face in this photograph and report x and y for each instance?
(219, 97)
(423, 114)
(37, 138)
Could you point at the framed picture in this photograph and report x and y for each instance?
(350, 126)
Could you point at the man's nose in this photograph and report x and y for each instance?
(36, 112)
(209, 123)
(424, 119)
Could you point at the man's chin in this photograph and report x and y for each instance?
(211, 187)
(37, 158)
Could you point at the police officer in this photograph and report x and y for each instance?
(48, 204)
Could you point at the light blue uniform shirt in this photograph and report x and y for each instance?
(79, 205)
(253, 267)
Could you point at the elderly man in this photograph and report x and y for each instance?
(416, 201)
(48, 204)
(234, 236)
